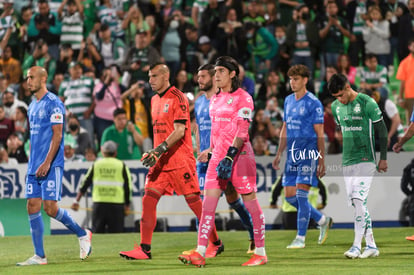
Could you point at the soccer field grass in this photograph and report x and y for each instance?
(397, 254)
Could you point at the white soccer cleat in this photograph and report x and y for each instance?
(34, 260)
(85, 243)
(297, 243)
(323, 234)
(353, 253)
(369, 252)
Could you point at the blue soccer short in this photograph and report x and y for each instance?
(303, 171)
(47, 188)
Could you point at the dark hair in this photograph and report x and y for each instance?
(23, 110)
(104, 27)
(369, 56)
(230, 64)
(337, 83)
(119, 111)
(207, 67)
(300, 70)
(72, 116)
(25, 8)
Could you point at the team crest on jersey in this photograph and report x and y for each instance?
(357, 108)
(301, 110)
(319, 110)
(166, 106)
(183, 107)
(41, 113)
(230, 100)
(245, 113)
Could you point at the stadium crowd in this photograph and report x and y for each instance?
(98, 54)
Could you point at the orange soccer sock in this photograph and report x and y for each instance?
(194, 202)
(149, 216)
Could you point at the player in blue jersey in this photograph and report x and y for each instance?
(303, 135)
(45, 169)
(207, 85)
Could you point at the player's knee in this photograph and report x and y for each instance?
(50, 209)
(150, 193)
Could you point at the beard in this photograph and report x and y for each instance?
(207, 86)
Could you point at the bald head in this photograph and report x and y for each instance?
(159, 75)
(36, 81)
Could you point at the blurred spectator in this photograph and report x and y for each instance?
(11, 103)
(76, 93)
(247, 81)
(10, 20)
(407, 187)
(210, 19)
(10, 67)
(107, 95)
(171, 46)
(23, 92)
(111, 49)
(272, 86)
(376, 34)
(199, 6)
(332, 30)
(89, 15)
(263, 126)
(183, 83)
(253, 15)
(230, 33)
(41, 57)
(206, 53)
(15, 148)
(4, 157)
(286, 10)
(323, 92)
(137, 102)
(3, 86)
(90, 154)
(260, 146)
(26, 14)
(133, 21)
(52, 87)
(191, 46)
(262, 47)
(69, 149)
(21, 123)
(6, 127)
(391, 118)
(406, 77)
(72, 24)
(334, 144)
(374, 76)
(139, 57)
(356, 14)
(45, 25)
(90, 57)
(109, 15)
(282, 58)
(406, 31)
(79, 135)
(393, 11)
(66, 56)
(302, 38)
(126, 134)
(344, 67)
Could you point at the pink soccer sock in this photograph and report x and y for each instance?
(207, 220)
(258, 221)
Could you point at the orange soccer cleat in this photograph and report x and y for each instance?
(194, 258)
(136, 254)
(410, 238)
(214, 250)
(256, 260)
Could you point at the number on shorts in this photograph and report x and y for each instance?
(29, 188)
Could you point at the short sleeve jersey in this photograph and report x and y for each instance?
(300, 117)
(167, 108)
(202, 115)
(356, 120)
(231, 114)
(43, 114)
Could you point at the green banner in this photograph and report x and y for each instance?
(14, 220)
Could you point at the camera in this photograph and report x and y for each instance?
(141, 84)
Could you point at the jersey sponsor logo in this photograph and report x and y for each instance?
(245, 113)
(56, 118)
(166, 107)
(222, 119)
(351, 128)
(303, 154)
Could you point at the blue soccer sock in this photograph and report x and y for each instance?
(316, 215)
(244, 215)
(64, 217)
(36, 228)
(292, 201)
(304, 211)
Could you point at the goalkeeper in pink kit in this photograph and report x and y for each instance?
(232, 160)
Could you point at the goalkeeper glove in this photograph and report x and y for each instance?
(225, 166)
(151, 157)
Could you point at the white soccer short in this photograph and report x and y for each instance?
(358, 178)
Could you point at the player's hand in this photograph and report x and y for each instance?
(224, 168)
(397, 147)
(276, 162)
(321, 168)
(151, 157)
(273, 206)
(42, 170)
(320, 206)
(382, 166)
(204, 156)
(75, 206)
(126, 210)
